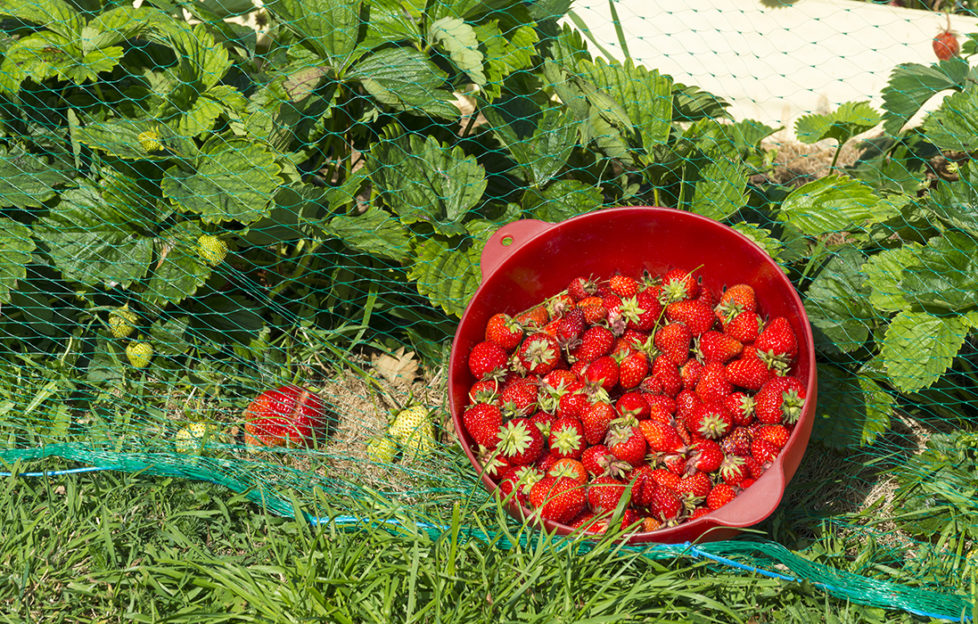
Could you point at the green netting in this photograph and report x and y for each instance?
(299, 193)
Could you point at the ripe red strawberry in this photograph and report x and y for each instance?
(623, 285)
(604, 494)
(675, 462)
(627, 443)
(678, 285)
(559, 500)
(686, 405)
(660, 436)
(748, 371)
(698, 512)
(286, 416)
(595, 342)
(567, 438)
(741, 407)
(673, 340)
(643, 485)
(693, 488)
(503, 330)
(781, 399)
(737, 442)
(487, 359)
(518, 481)
(520, 442)
(633, 404)
(660, 403)
(665, 477)
(570, 468)
(484, 391)
(720, 495)
(716, 346)
(707, 456)
(597, 459)
(664, 378)
(763, 451)
(571, 326)
(539, 353)
(543, 422)
(493, 464)
(632, 370)
(754, 468)
(745, 327)
(595, 419)
(696, 316)
(775, 434)
(572, 403)
(559, 304)
(519, 397)
(602, 372)
(734, 300)
(593, 309)
(945, 44)
(666, 504)
(733, 469)
(582, 288)
(690, 373)
(547, 462)
(746, 483)
(483, 421)
(713, 386)
(710, 420)
(777, 345)
(536, 317)
(641, 311)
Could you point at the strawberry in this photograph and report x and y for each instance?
(633, 404)
(746, 483)
(503, 330)
(122, 321)
(716, 346)
(679, 285)
(650, 524)
(570, 468)
(593, 309)
(627, 443)
(666, 504)
(737, 442)
(598, 461)
(777, 345)
(720, 495)
(212, 249)
(660, 436)
(570, 326)
(543, 421)
(623, 285)
(734, 300)
(741, 407)
(604, 494)
(539, 353)
(547, 461)
(733, 469)
(643, 485)
(711, 421)
(660, 403)
(686, 405)
(694, 315)
(558, 305)
(581, 288)
(781, 399)
(139, 354)
(698, 512)
(745, 327)
(414, 430)
(518, 481)
(487, 359)
(632, 370)
(690, 373)
(707, 456)
(573, 402)
(945, 44)
(673, 340)
(675, 462)
(536, 317)
(763, 451)
(567, 438)
(482, 421)
(595, 419)
(520, 442)
(519, 397)
(602, 372)
(285, 416)
(641, 311)
(664, 378)
(595, 342)
(713, 385)
(665, 478)
(748, 371)
(556, 499)
(693, 488)
(775, 434)
(484, 391)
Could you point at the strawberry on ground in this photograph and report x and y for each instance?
(285, 416)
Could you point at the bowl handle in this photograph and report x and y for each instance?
(507, 240)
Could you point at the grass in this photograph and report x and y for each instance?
(109, 547)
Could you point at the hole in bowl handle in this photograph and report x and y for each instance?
(507, 240)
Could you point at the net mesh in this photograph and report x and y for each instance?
(200, 201)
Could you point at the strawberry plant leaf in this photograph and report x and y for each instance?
(224, 319)
(956, 203)
(446, 274)
(838, 306)
(911, 85)
(235, 180)
(505, 54)
(169, 336)
(944, 276)
(16, 247)
(329, 27)
(180, 270)
(850, 119)
(425, 181)
(883, 273)
(94, 242)
(406, 80)
(37, 56)
(851, 409)
(833, 204)
(374, 232)
(130, 138)
(27, 180)
(202, 62)
(563, 199)
(722, 188)
(919, 347)
(953, 126)
(457, 38)
(391, 21)
(56, 15)
(761, 236)
(542, 155)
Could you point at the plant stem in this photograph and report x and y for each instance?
(835, 158)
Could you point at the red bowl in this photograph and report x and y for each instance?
(527, 261)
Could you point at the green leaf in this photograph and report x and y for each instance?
(202, 61)
(944, 276)
(460, 41)
(911, 85)
(427, 182)
(505, 53)
(446, 275)
(235, 180)
(227, 318)
(38, 56)
(180, 269)
(197, 119)
(16, 247)
(833, 204)
(722, 188)
(390, 22)
(26, 180)
(126, 138)
(851, 409)
(55, 15)
(94, 243)
(374, 232)
(542, 155)
(121, 23)
(954, 126)
(883, 273)
(330, 27)
(690, 103)
(406, 80)
(761, 236)
(837, 304)
(169, 337)
(562, 200)
(956, 203)
(845, 122)
(919, 347)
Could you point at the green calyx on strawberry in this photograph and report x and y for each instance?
(520, 442)
(122, 321)
(286, 416)
(539, 353)
(212, 249)
(139, 354)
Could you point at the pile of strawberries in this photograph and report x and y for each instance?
(649, 399)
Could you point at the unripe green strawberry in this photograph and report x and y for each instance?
(122, 321)
(150, 140)
(212, 249)
(190, 439)
(414, 431)
(381, 449)
(139, 354)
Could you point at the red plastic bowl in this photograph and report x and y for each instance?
(527, 261)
